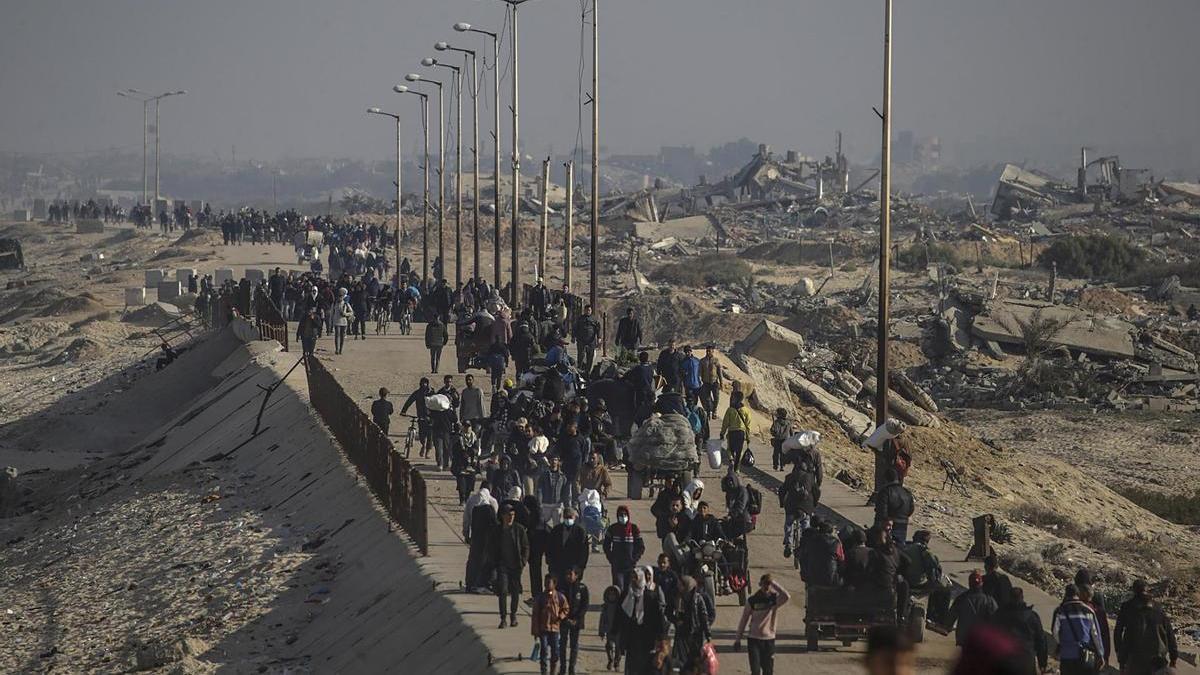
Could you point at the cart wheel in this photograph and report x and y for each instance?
(633, 484)
(916, 624)
(811, 634)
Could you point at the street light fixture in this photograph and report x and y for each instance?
(402, 89)
(456, 90)
(463, 27)
(417, 77)
(133, 95)
(379, 111)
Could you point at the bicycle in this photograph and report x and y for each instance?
(411, 437)
(381, 320)
(405, 319)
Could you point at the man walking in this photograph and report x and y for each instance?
(586, 333)
(509, 555)
(629, 336)
(381, 411)
(436, 337)
(894, 503)
(759, 616)
(689, 374)
(1144, 638)
(711, 381)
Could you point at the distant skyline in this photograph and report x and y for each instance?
(1011, 81)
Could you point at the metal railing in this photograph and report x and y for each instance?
(269, 320)
(396, 483)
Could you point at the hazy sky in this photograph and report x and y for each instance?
(294, 77)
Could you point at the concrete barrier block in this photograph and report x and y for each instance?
(221, 275)
(22, 215)
(89, 226)
(135, 297)
(182, 274)
(169, 290)
(254, 275)
(770, 342)
(154, 277)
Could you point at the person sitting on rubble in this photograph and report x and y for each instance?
(821, 554)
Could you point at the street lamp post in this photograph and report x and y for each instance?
(595, 227)
(470, 53)
(456, 91)
(401, 89)
(145, 139)
(464, 28)
(414, 77)
(885, 223)
(377, 111)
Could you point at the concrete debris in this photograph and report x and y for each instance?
(902, 408)
(771, 343)
(1010, 322)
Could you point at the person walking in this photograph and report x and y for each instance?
(308, 331)
(798, 498)
(629, 336)
(623, 546)
(419, 398)
(642, 624)
(578, 598)
(436, 337)
(995, 583)
(895, 503)
(689, 375)
(1023, 623)
(711, 381)
(509, 554)
(381, 411)
(341, 313)
(693, 621)
(567, 547)
(586, 333)
(735, 428)
(478, 521)
(1075, 628)
(549, 609)
(970, 609)
(759, 617)
(1144, 639)
(470, 409)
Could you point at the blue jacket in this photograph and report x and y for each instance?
(690, 369)
(1075, 624)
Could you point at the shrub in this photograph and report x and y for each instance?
(711, 269)
(914, 258)
(1181, 509)
(1093, 256)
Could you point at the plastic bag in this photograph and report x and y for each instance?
(708, 657)
(438, 402)
(715, 450)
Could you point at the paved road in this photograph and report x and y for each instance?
(398, 362)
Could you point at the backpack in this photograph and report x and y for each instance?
(753, 500)
(1143, 635)
(797, 493)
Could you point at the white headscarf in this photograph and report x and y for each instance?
(634, 604)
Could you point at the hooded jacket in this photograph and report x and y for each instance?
(471, 520)
(623, 545)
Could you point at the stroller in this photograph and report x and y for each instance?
(592, 517)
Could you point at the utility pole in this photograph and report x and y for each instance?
(399, 197)
(475, 161)
(595, 229)
(569, 228)
(425, 211)
(457, 84)
(541, 270)
(516, 161)
(157, 135)
(145, 150)
(496, 147)
(442, 181)
(885, 223)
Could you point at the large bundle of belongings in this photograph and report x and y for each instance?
(664, 442)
